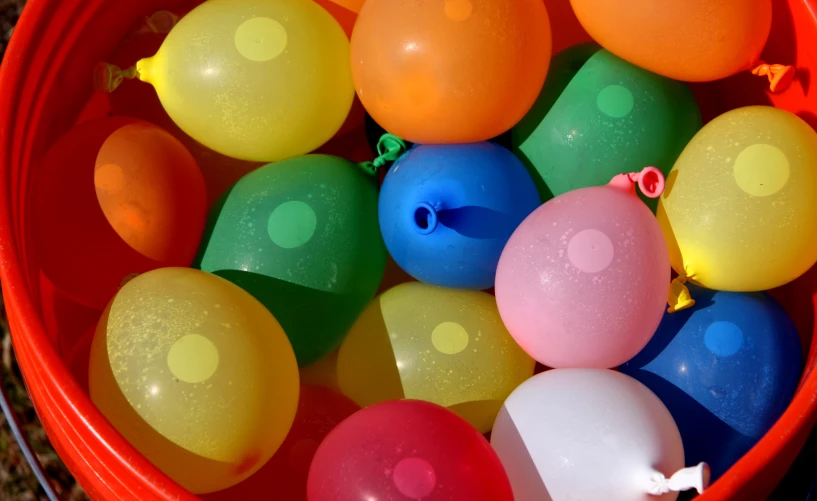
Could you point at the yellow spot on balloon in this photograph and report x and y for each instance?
(109, 178)
(261, 39)
(458, 10)
(193, 359)
(761, 170)
(449, 338)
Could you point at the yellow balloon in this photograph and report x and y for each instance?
(257, 80)
(445, 346)
(739, 211)
(196, 374)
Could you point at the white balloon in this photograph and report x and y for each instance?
(591, 434)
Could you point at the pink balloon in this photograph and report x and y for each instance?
(583, 281)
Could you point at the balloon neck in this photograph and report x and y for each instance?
(107, 77)
(650, 180)
(780, 75)
(679, 295)
(146, 69)
(695, 477)
(389, 149)
(424, 218)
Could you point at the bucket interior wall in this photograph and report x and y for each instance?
(46, 87)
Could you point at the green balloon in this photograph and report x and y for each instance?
(599, 116)
(302, 236)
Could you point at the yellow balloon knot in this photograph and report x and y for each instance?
(679, 296)
(780, 75)
(107, 77)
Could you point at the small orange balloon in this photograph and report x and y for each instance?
(114, 197)
(450, 71)
(690, 40)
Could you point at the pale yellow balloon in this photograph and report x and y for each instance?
(196, 374)
(257, 80)
(445, 346)
(739, 211)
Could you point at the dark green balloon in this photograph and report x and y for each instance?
(599, 116)
(302, 236)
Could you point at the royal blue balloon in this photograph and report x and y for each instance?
(726, 369)
(447, 211)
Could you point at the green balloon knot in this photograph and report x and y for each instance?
(389, 149)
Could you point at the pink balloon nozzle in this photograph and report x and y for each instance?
(650, 180)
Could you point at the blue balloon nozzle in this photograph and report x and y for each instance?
(424, 218)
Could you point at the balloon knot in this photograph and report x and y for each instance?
(659, 484)
(679, 295)
(107, 77)
(695, 477)
(780, 75)
(389, 149)
(650, 180)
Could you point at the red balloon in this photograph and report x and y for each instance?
(283, 477)
(406, 450)
(114, 197)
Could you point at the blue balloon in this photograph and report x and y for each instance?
(726, 369)
(447, 211)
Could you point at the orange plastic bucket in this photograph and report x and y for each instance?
(45, 88)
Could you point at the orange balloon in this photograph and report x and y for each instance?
(690, 40)
(114, 197)
(450, 71)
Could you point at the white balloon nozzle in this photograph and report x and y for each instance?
(695, 477)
